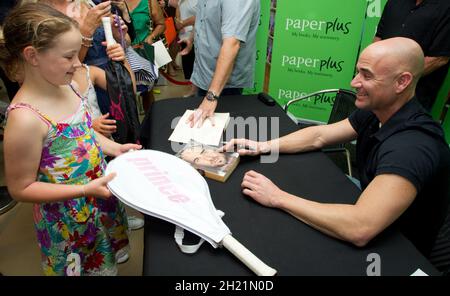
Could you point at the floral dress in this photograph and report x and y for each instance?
(80, 236)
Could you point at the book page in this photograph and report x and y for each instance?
(207, 134)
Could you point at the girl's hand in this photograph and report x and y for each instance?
(104, 125)
(124, 148)
(98, 188)
(115, 52)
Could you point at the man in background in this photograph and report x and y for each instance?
(225, 49)
(428, 23)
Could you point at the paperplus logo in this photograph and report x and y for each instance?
(326, 26)
(289, 94)
(321, 64)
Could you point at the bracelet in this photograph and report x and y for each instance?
(84, 38)
(86, 45)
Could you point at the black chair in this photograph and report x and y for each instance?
(343, 106)
(440, 253)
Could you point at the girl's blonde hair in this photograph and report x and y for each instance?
(32, 24)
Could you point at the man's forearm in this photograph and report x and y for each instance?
(225, 64)
(315, 137)
(433, 63)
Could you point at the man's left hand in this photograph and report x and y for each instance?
(261, 189)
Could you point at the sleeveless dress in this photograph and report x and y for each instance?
(80, 236)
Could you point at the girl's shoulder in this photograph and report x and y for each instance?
(25, 119)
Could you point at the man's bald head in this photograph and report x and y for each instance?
(398, 55)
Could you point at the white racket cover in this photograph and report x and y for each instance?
(164, 186)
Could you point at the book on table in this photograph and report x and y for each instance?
(210, 162)
(206, 134)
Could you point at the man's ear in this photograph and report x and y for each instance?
(30, 55)
(403, 81)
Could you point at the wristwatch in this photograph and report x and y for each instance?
(210, 96)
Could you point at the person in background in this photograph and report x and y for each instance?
(86, 77)
(169, 8)
(402, 156)
(225, 49)
(53, 157)
(148, 22)
(184, 21)
(428, 23)
(11, 86)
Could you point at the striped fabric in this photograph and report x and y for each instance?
(146, 73)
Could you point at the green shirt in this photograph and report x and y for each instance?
(142, 22)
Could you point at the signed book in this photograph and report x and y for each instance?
(207, 134)
(210, 162)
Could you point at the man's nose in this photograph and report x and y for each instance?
(356, 82)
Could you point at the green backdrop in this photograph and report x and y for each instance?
(315, 47)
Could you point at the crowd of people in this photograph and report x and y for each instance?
(61, 129)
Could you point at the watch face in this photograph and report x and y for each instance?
(210, 96)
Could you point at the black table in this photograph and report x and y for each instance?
(280, 240)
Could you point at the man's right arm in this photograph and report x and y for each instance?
(316, 137)
(307, 139)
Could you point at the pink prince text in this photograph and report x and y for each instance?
(159, 179)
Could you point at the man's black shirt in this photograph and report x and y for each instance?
(429, 25)
(412, 145)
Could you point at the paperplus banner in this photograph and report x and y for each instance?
(315, 47)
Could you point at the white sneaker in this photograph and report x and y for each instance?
(122, 256)
(135, 223)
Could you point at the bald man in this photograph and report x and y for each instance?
(402, 157)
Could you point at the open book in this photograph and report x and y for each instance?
(206, 134)
(208, 161)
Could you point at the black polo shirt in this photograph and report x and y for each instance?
(429, 25)
(5, 8)
(412, 145)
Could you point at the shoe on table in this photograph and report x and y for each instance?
(135, 223)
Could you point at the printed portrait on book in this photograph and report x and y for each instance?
(209, 159)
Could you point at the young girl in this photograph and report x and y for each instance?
(53, 157)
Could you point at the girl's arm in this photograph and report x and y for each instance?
(116, 53)
(23, 144)
(114, 149)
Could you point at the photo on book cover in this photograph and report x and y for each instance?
(209, 161)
